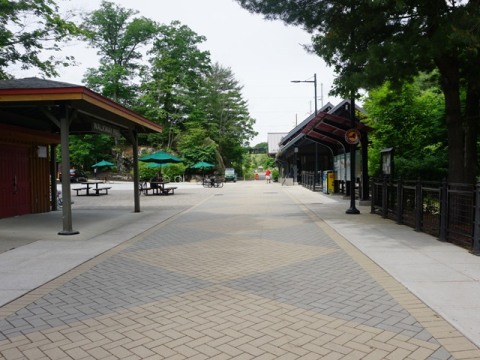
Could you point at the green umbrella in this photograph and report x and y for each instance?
(160, 157)
(202, 165)
(103, 163)
(156, 165)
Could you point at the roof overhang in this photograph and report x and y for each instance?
(331, 129)
(39, 104)
(326, 129)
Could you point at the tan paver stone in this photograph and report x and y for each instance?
(377, 355)
(37, 354)
(229, 349)
(421, 353)
(359, 347)
(209, 263)
(57, 353)
(207, 350)
(398, 354)
(354, 355)
(470, 355)
(185, 350)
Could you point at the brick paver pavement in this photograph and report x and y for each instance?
(249, 273)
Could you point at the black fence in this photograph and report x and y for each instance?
(448, 211)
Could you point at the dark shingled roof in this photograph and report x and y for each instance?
(34, 83)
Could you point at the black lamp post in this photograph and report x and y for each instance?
(353, 147)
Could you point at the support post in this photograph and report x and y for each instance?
(53, 178)
(136, 177)
(66, 193)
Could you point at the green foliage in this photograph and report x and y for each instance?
(265, 161)
(275, 175)
(145, 172)
(173, 82)
(172, 170)
(227, 116)
(119, 37)
(86, 150)
(369, 43)
(27, 28)
(410, 120)
(199, 105)
(195, 146)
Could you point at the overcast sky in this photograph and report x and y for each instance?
(263, 55)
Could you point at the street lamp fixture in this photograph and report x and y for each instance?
(314, 81)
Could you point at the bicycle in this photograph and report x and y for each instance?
(212, 182)
(142, 186)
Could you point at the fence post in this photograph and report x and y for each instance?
(384, 198)
(373, 195)
(400, 201)
(418, 206)
(476, 223)
(443, 210)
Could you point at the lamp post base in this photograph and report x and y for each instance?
(68, 232)
(353, 211)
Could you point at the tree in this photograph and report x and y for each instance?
(371, 42)
(173, 83)
(410, 121)
(119, 38)
(24, 44)
(86, 150)
(228, 119)
(195, 145)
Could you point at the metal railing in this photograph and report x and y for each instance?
(448, 211)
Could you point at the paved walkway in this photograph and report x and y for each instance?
(249, 271)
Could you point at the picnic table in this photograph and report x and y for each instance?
(92, 188)
(159, 188)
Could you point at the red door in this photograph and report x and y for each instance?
(14, 181)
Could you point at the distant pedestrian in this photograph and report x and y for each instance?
(268, 175)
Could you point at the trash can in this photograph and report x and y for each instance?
(328, 181)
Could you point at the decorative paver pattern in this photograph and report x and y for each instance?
(248, 274)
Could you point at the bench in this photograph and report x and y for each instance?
(80, 189)
(159, 190)
(167, 190)
(93, 190)
(105, 189)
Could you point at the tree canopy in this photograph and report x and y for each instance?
(371, 42)
(119, 38)
(161, 72)
(27, 43)
(410, 121)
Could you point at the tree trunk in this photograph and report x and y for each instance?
(450, 82)
(472, 118)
